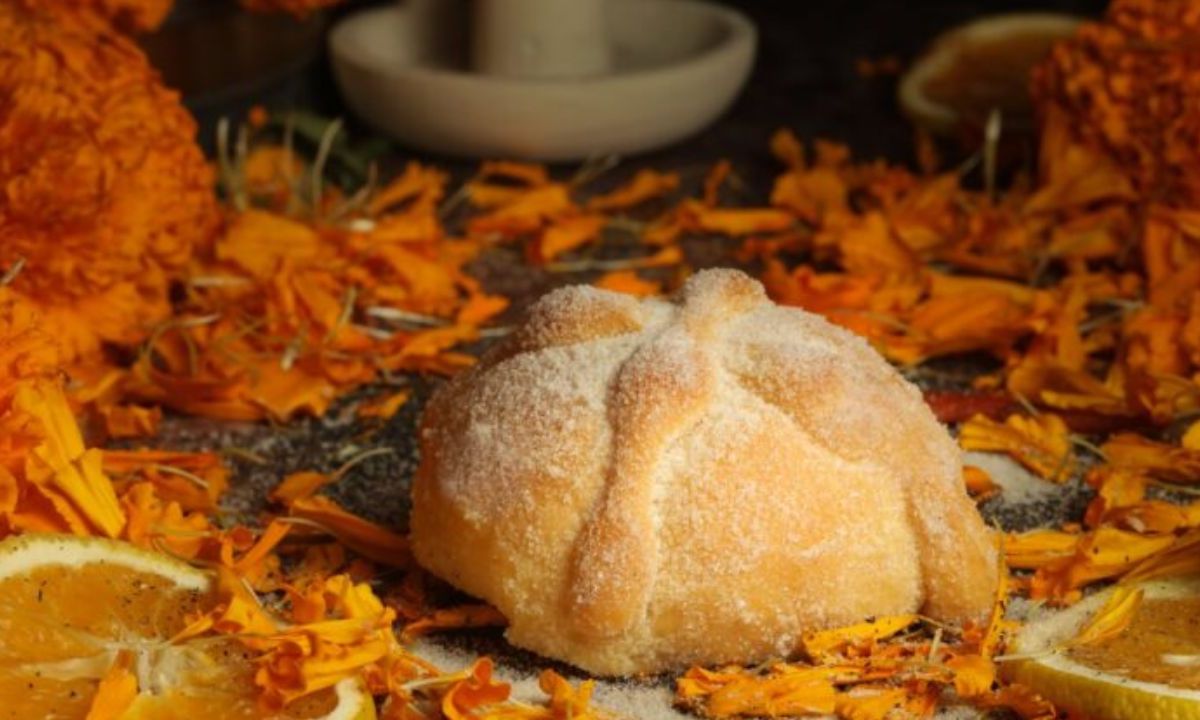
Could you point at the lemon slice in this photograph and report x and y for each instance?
(980, 66)
(1151, 671)
(69, 605)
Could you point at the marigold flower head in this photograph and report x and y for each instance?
(104, 191)
(129, 15)
(1124, 87)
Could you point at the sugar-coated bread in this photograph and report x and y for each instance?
(642, 485)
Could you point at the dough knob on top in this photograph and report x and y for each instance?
(639, 485)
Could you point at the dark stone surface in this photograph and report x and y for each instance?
(262, 454)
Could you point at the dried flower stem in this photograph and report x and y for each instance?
(318, 168)
(12, 272)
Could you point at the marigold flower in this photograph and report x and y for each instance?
(104, 191)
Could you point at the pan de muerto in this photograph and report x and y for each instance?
(640, 485)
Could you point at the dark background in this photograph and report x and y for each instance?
(805, 77)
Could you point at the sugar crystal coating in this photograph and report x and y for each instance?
(642, 485)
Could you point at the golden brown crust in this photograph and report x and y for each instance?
(643, 485)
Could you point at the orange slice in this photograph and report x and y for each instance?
(1148, 671)
(975, 68)
(70, 606)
